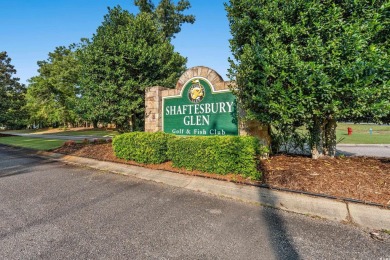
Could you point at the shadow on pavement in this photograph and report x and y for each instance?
(345, 153)
(9, 165)
(21, 169)
(280, 241)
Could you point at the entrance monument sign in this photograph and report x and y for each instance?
(200, 104)
(200, 110)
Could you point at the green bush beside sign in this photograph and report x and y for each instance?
(200, 110)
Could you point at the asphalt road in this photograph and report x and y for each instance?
(364, 150)
(50, 210)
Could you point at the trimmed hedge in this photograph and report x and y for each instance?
(217, 154)
(142, 147)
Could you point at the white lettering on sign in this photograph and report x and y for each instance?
(199, 132)
(217, 132)
(197, 120)
(178, 131)
(198, 109)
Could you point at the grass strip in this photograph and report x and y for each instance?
(101, 133)
(32, 143)
(380, 134)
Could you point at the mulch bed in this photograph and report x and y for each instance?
(362, 178)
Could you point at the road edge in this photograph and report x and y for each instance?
(366, 216)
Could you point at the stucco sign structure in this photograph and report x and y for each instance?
(200, 110)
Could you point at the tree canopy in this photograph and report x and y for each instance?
(51, 96)
(12, 95)
(169, 16)
(310, 63)
(103, 79)
(126, 54)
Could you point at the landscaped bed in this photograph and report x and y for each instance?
(361, 178)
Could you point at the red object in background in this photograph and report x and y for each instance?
(349, 130)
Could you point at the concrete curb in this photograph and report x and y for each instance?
(363, 215)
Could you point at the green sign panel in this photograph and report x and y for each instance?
(200, 110)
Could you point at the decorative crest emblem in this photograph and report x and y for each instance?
(196, 92)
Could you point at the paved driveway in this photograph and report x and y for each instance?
(52, 210)
(364, 150)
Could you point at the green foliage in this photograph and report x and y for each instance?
(169, 16)
(287, 139)
(312, 62)
(126, 54)
(142, 147)
(51, 96)
(217, 154)
(12, 96)
(145, 5)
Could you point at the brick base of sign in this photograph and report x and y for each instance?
(154, 106)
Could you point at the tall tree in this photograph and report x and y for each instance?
(51, 96)
(12, 95)
(145, 6)
(311, 63)
(169, 15)
(126, 54)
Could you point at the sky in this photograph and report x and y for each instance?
(30, 29)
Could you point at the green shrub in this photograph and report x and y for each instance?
(142, 147)
(217, 154)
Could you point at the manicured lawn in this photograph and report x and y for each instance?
(101, 133)
(69, 132)
(361, 134)
(32, 143)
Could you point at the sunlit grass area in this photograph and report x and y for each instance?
(97, 132)
(68, 132)
(32, 143)
(361, 134)
(380, 134)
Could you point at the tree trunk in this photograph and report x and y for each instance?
(330, 137)
(95, 123)
(316, 133)
(133, 123)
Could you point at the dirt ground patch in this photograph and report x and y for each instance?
(361, 178)
(5, 135)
